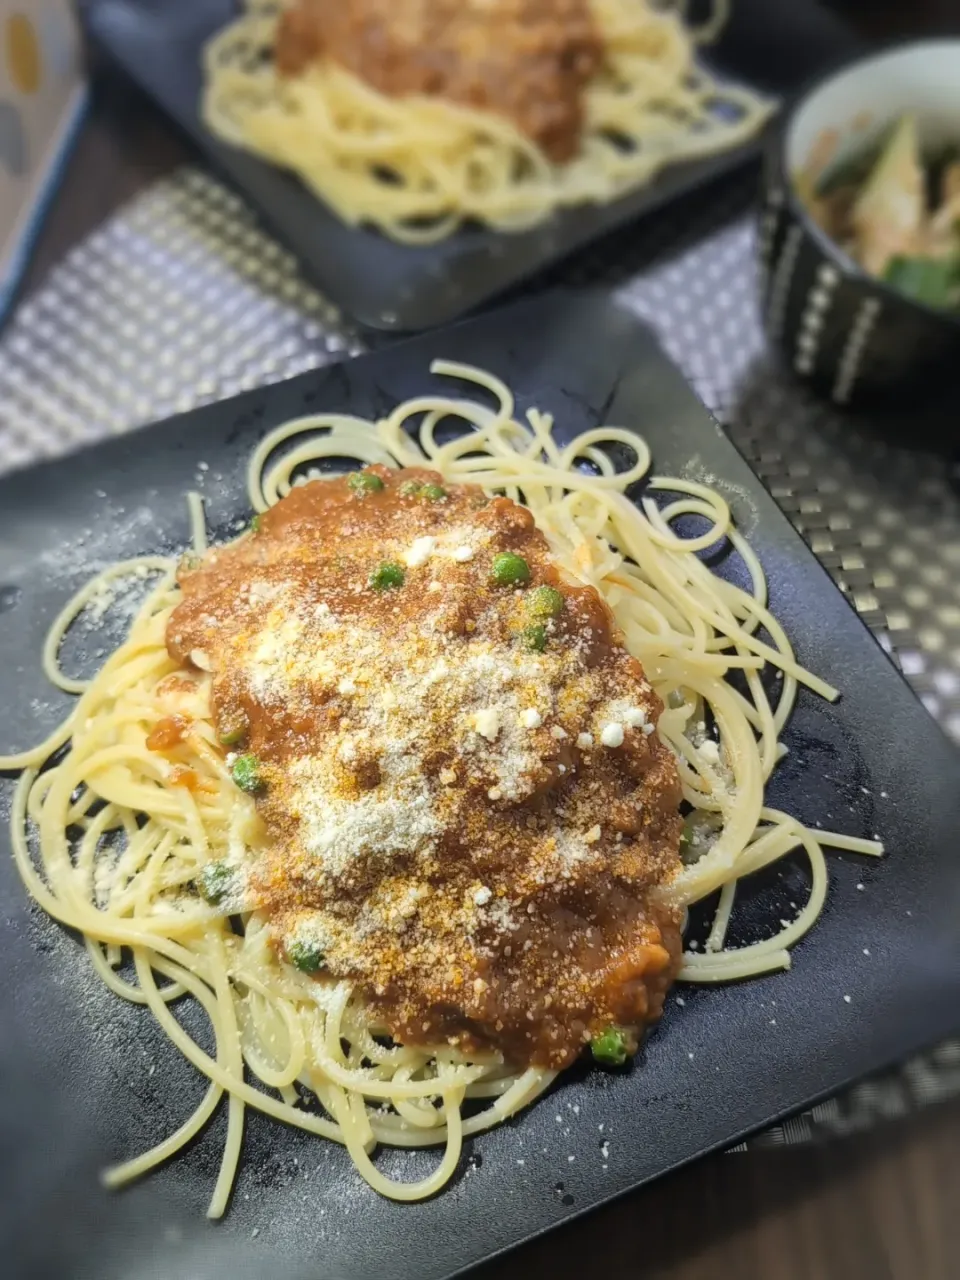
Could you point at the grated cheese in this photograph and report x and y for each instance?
(487, 723)
(338, 831)
(400, 839)
(420, 551)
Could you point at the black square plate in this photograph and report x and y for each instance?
(87, 1081)
(771, 45)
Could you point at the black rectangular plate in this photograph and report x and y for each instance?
(87, 1080)
(771, 45)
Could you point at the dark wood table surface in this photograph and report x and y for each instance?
(884, 1205)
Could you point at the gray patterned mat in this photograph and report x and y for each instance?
(181, 299)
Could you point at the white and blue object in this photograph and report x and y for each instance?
(42, 99)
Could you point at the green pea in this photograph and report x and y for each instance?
(545, 602)
(364, 482)
(214, 882)
(535, 637)
(304, 957)
(387, 576)
(256, 524)
(698, 833)
(432, 493)
(509, 570)
(232, 734)
(610, 1048)
(410, 489)
(246, 773)
(686, 839)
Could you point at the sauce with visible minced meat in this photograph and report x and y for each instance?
(525, 59)
(443, 822)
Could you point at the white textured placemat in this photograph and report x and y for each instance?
(181, 299)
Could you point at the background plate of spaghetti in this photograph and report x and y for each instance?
(279, 834)
(438, 170)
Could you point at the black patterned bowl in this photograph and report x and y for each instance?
(850, 336)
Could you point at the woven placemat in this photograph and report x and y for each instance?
(182, 299)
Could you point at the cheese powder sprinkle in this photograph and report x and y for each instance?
(437, 828)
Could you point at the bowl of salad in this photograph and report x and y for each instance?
(859, 237)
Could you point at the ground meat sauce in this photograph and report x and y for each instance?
(466, 811)
(168, 733)
(525, 59)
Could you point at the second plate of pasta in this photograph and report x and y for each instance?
(417, 180)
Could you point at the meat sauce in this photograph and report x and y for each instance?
(168, 733)
(466, 811)
(525, 59)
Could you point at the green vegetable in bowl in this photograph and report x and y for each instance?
(890, 208)
(894, 207)
(934, 281)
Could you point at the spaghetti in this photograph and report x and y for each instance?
(110, 843)
(418, 166)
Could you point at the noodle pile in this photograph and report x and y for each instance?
(109, 845)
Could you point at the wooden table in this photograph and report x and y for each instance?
(881, 1206)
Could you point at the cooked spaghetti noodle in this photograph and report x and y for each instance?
(109, 842)
(417, 166)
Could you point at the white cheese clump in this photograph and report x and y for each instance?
(487, 723)
(612, 735)
(420, 551)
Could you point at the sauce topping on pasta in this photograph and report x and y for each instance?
(465, 808)
(526, 59)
